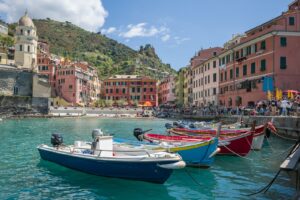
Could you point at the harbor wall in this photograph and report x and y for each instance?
(20, 105)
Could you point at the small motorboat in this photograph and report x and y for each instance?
(194, 151)
(101, 158)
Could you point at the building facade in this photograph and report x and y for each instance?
(26, 44)
(266, 57)
(130, 90)
(204, 77)
(167, 91)
(179, 87)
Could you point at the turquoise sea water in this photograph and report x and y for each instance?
(23, 175)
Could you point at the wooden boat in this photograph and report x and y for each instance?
(239, 145)
(195, 152)
(102, 159)
(258, 136)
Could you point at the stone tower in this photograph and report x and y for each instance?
(26, 44)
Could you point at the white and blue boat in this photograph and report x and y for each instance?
(195, 152)
(102, 159)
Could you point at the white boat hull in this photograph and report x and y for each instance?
(258, 142)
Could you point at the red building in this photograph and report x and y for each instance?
(46, 65)
(269, 51)
(130, 89)
(167, 91)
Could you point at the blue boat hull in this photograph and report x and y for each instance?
(200, 156)
(136, 170)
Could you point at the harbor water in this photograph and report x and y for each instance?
(23, 175)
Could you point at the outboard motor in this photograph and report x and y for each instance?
(56, 139)
(138, 133)
(97, 133)
(168, 126)
(176, 124)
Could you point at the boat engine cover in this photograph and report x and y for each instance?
(56, 139)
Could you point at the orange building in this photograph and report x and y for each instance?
(131, 89)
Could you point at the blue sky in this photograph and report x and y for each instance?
(179, 28)
(176, 28)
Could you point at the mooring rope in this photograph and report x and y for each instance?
(268, 186)
(271, 146)
(237, 153)
(284, 137)
(269, 158)
(195, 180)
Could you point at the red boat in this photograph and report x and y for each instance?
(239, 145)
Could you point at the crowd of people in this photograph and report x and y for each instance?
(284, 107)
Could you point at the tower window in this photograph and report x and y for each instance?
(21, 47)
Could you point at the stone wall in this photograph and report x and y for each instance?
(15, 82)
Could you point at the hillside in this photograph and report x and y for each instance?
(109, 56)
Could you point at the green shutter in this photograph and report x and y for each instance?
(252, 68)
(263, 65)
(263, 45)
(291, 21)
(283, 41)
(245, 70)
(282, 62)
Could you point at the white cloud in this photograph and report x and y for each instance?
(141, 30)
(180, 40)
(89, 14)
(110, 30)
(165, 38)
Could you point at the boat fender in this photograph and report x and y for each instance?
(177, 165)
(215, 152)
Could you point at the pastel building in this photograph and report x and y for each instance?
(131, 89)
(266, 57)
(76, 83)
(167, 91)
(205, 77)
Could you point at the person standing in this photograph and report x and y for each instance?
(284, 106)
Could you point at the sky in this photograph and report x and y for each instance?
(176, 28)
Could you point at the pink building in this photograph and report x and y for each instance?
(77, 83)
(269, 52)
(167, 91)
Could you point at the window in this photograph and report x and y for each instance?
(145, 89)
(28, 48)
(225, 76)
(283, 41)
(151, 89)
(252, 68)
(237, 72)
(21, 31)
(106, 91)
(282, 62)
(117, 91)
(208, 79)
(123, 90)
(16, 90)
(21, 47)
(237, 55)
(231, 73)
(70, 87)
(132, 89)
(263, 45)
(111, 91)
(263, 65)
(221, 77)
(214, 91)
(28, 32)
(215, 77)
(291, 21)
(214, 64)
(255, 48)
(244, 70)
